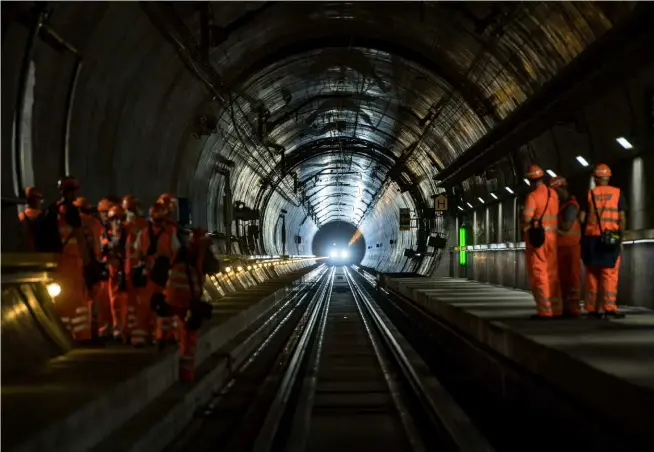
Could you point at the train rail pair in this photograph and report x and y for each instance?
(334, 375)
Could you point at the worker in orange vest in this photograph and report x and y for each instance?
(539, 220)
(157, 247)
(169, 325)
(603, 214)
(31, 214)
(116, 257)
(105, 317)
(74, 304)
(568, 248)
(138, 307)
(93, 228)
(183, 293)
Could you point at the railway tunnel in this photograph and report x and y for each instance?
(399, 131)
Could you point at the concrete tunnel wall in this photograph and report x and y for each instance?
(590, 133)
(136, 106)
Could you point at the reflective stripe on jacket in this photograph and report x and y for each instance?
(607, 200)
(535, 208)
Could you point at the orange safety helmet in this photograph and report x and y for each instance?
(33, 193)
(534, 172)
(602, 170)
(116, 212)
(68, 183)
(158, 212)
(168, 200)
(558, 181)
(81, 203)
(104, 205)
(130, 202)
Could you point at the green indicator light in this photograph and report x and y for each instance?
(463, 257)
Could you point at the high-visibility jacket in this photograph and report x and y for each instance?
(179, 291)
(27, 218)
(116, 256)
(573, 236)
(93, 234)
(134, 226)
(167, 243)
(538, 206)
(72, 239)
(607, 201)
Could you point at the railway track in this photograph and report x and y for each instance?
(335, 375)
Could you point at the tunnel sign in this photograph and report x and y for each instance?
(405, 219)
(440, 203)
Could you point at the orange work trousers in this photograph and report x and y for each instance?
(118, 299)
(102, 308)
(605, 279)
(73, 305)
(140, 316)
(569, 258)
(165, 328)
(542, 268)
(188, 342)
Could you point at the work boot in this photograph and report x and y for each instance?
(571, 315)
(614, 315)
(595, 315)
(541, 317)
(90, 343)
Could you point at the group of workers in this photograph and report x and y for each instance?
(122, 276)
(561, 232)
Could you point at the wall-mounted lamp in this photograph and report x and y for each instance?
(460, 208)
(551, 173)
(469, 205)
(527, 181)
(481, 200)
(582, 160)
(493, 195)
(509, 190)
(622, 141)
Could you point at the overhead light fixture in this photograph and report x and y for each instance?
(551, 173)
(481, 200)
(460, 208)
(228, 269)
(527, 182)
(333, 253)
(622, 141)
(493, 195)
(249, 267)
(470, 205)
(509, 190)
(239, 269)
(582, 160)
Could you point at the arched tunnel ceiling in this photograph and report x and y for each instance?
(423, 82)
(363, 100)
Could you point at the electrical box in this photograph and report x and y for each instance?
(437, 242)
(184, 212)
(405, 219)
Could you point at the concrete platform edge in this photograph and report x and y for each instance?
(555, 367)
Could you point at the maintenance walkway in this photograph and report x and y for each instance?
(604, 366)
(75, 401)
